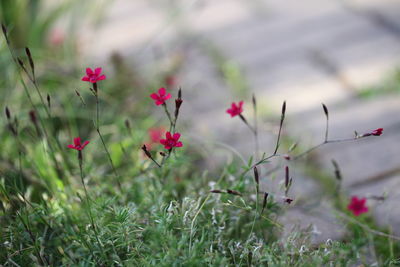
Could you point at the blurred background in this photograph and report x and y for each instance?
(345, 54)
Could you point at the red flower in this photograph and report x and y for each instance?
(93, 76)
(156, 134)
(357, 206)
(235, 109)
(161, 97)
(77, 144)
(171, 141)
(377, 132)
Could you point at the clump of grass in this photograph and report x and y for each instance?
(126, 203)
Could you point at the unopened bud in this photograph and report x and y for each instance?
(325, 110)
(288, 200)
(127, 124)
(144, 148)
(233, 192)
(32, 116)
(264, 201)
(28, 53)
(48, 101)
(283, 111)
(8, 113)
(216, 191)
(256, 176)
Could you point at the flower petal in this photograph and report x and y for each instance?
(168, 135)
(167, 97)
(85, 78)
(179, 144)
(162, 91)
(154, 96)
(176, 136)
(71, 146)
(97, 71)
(85, 143)
(163, 141)
(101, 78)
(77, 141)
(89, 71)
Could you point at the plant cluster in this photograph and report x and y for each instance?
(143, 200)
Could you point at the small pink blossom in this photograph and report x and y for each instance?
(56, 37)
(377, 132)
(357, 206)
(236, 109)
(171, 141)
(161, 97)
(156, 134)
(78, 145)
(93, 76)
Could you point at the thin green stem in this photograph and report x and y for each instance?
(197, 214)
(80, 159)
(171, 121)
(117, 177)
(254, 219)
(65, 159)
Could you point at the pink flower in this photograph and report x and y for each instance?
(161, 97)
(357, 206)
(93, 76)
(78, 145)
(377, 132)
(156, 134)
(56, 37)
(235, 109)
(171, 141)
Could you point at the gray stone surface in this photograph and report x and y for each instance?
(319, 220)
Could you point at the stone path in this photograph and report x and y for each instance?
(305, 52)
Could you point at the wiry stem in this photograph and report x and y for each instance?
(198, 212)
(256, 142)
(280, 126)
(314, 148)
(247, 124)
(80, 159)
(255, 214)
(263, 160)
(102, 139)
(327, 121)
(33, 80)
(171, 121)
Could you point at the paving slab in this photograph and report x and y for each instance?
(320, 222)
